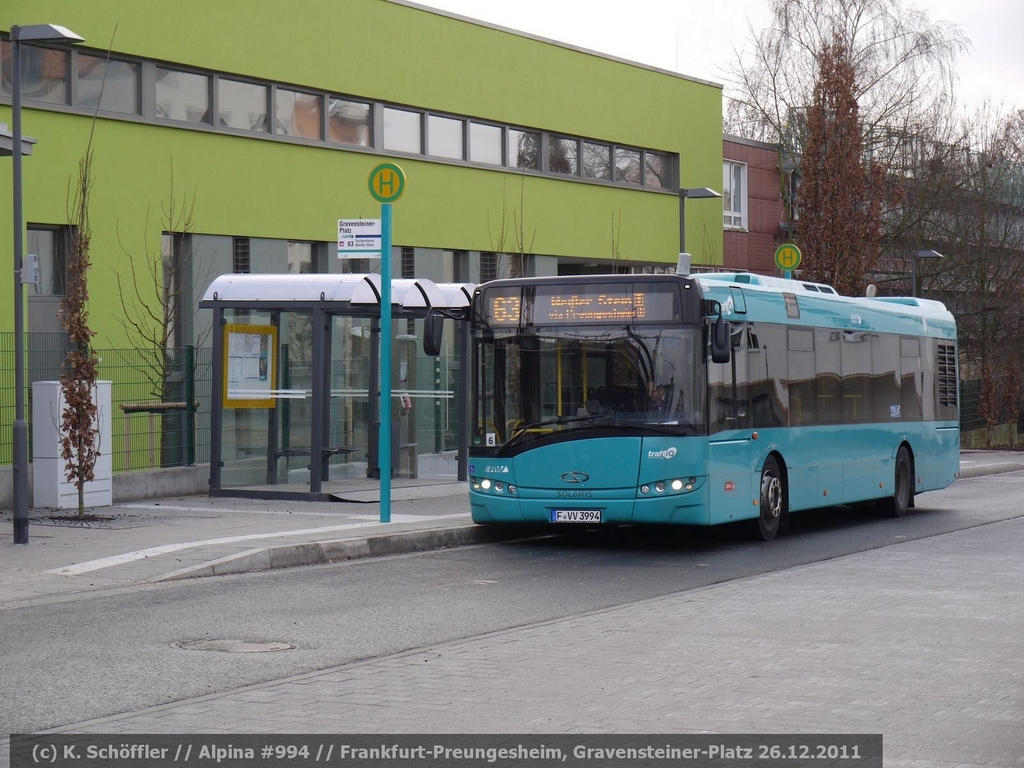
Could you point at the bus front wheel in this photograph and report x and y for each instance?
(773, 499)
(903, 484)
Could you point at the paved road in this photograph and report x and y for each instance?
(920, 640)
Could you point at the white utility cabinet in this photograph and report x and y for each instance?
(50, 485)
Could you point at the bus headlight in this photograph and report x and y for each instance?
(485, 484)
(677, 485)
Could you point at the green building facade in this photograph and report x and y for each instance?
(240, 133)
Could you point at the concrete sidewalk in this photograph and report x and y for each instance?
(196, 536)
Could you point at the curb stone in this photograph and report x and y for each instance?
(318, 553)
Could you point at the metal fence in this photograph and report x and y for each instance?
(971, 418)
(160, 401)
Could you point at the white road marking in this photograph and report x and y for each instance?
(141, 554)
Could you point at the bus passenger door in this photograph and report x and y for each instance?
(729, 443)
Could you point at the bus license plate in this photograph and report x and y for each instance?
(575, 515)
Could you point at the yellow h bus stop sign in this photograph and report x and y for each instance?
(788, 257)
(387, 182)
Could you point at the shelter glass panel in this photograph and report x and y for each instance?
(351, 418)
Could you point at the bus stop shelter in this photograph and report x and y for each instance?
(296, 409)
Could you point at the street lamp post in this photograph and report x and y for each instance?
(697, 193)
(913, 266)
(34, 33)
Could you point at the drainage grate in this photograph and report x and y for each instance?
(233, 646)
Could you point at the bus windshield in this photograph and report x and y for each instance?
(538, 383)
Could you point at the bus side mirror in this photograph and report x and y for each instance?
(433, 327)
(721, 347)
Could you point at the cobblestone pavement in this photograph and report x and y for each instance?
(921, 641)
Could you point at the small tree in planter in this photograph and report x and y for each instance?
(79, 431)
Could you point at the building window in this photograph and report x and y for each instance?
(627, 165)
(348, 122)
(240, 255)
(178, 258)
(488, 267)
(183, 96)
(563, 155)
(241, 105)
(298, 114)
(402, 131)
(44, 73)
(190, 98)
(597, 161)
(408, 261)
(300, 258)
(523, 149)
(113, 84)
(655, 170)
(51, 245)
(444, 137)
(734, 194)
(485, 144)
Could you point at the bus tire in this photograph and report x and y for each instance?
(903, 484)
(772, 503)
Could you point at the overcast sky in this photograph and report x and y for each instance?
(697, 37)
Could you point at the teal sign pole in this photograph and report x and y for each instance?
(387, 183)
(384, 443)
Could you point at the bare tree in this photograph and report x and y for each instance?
(903, 66)
(79, 432)
(981, 233)
(510, 238)
(156, 302)
(153, 290)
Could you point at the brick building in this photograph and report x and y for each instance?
(753, 205)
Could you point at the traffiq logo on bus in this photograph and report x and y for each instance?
(667, 453)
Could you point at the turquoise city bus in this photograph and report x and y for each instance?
(700, 400)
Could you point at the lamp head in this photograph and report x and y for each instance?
(44, 33)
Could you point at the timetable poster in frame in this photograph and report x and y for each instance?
(250, 366)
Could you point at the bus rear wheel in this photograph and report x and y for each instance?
(903, 484)
(773, 499)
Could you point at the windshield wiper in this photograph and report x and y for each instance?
(557, 421)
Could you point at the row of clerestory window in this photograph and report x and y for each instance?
(139, 89)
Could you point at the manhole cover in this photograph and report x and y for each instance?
(233, 646)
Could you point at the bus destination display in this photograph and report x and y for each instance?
(600, 305)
